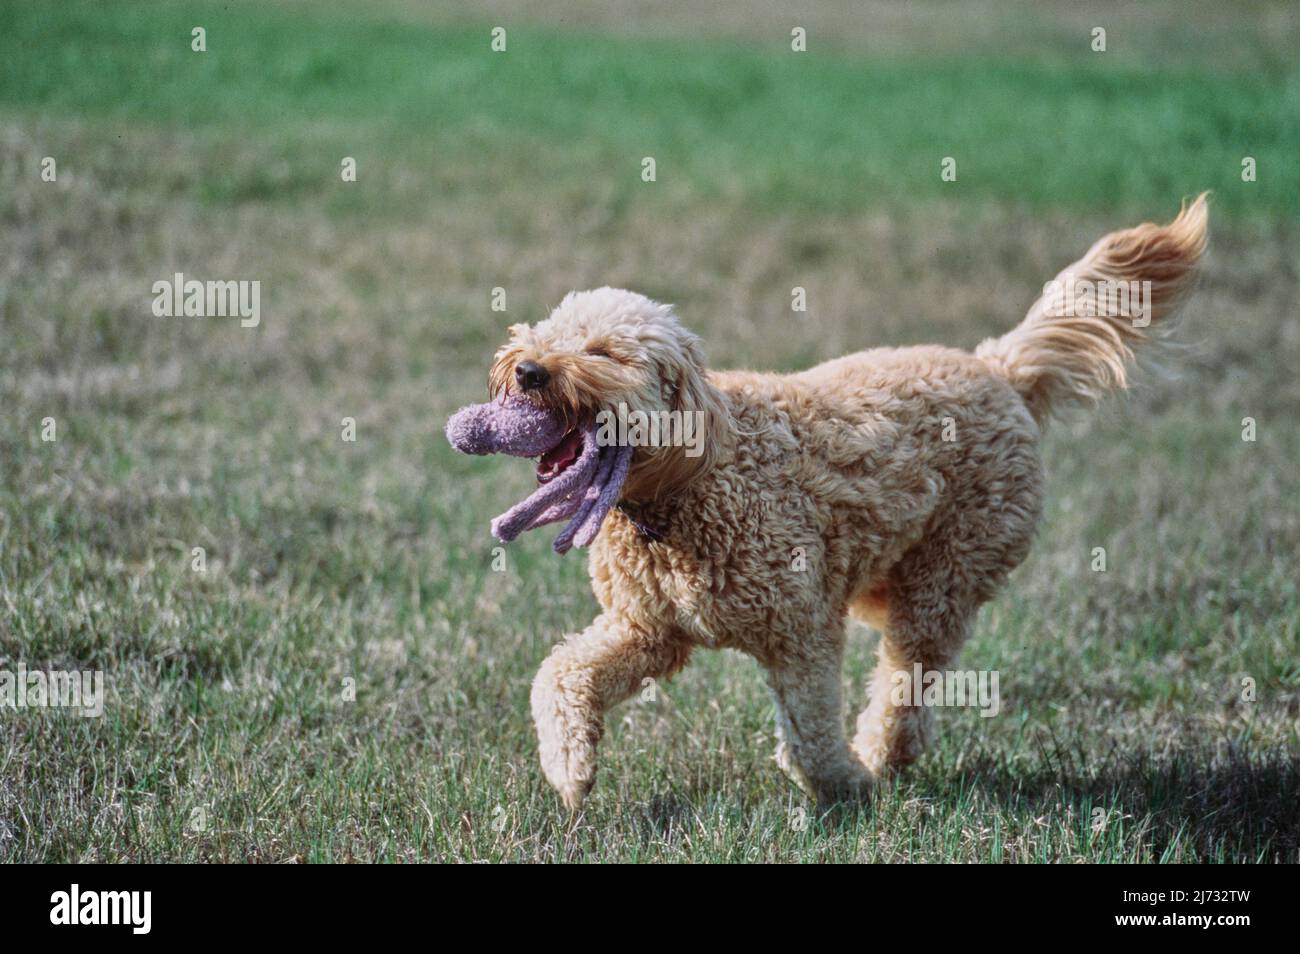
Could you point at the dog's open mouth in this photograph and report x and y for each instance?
(580, 480)
(560, 457)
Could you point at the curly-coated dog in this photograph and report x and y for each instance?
(899, 486)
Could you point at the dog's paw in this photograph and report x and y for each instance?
(568, 759)
(568, 764)
(889, 742)
(574, 795)
(566, 741)
(853, 785)
(873, 753)
(845, 782)
(856, 789)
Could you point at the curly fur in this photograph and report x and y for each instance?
(820, 495)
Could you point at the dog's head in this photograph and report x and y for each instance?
(614, 371)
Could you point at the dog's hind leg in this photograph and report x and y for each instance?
(927, 611)
(812, 747)
(580, 680)
(921, 627)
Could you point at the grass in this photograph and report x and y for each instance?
(370, 561)
(721, 120)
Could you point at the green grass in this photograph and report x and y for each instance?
(828, 131)
(371, 561)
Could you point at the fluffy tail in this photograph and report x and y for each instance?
(1077, 340)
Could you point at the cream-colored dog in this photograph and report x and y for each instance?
(898, 486)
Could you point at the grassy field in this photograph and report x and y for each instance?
(227, 733)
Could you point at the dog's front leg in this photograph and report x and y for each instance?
(584, 677)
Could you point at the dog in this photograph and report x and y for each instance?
(897, 486)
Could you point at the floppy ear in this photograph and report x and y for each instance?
(691, 390)
(697, 394)
(689, 393)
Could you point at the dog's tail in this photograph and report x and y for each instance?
(1077, 340)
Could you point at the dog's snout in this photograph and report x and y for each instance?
(531, 375)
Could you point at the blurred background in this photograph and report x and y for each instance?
(330, 560)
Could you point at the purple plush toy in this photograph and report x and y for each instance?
(580, 480)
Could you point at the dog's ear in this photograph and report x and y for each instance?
(687, 386)
(686, 390)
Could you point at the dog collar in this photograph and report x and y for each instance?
(648, 532)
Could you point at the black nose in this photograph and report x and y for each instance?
(531, 375)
